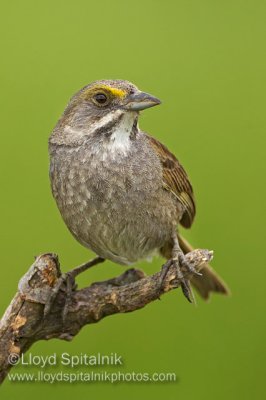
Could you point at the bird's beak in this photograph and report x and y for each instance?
(140, 101)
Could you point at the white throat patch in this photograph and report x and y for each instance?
(119, 143)
(120, 138)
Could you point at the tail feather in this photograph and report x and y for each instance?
(210, 281)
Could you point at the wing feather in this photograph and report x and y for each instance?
(175, 180)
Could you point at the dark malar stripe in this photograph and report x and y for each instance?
(107, 129)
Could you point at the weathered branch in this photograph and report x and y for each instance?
(28, 319)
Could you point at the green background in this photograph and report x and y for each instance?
(206, 61)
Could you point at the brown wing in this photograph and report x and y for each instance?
(176, 181)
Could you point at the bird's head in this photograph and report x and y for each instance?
(102, 97)
(101, 107)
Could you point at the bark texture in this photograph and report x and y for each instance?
(48, 305)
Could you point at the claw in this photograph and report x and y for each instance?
(186, 289)
(68, 280)
(186, 265)
(70, 284)
(180, 263)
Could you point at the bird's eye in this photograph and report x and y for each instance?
(100, 98)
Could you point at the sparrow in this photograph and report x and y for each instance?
(122, 193)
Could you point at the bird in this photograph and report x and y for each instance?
(121, 192)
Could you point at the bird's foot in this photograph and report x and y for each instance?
(183, 269)
(66, 282)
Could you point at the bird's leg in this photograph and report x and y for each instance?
(83, 267)
(68, 279)
(183, 268)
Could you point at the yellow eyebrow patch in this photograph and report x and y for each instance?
(116, 92)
